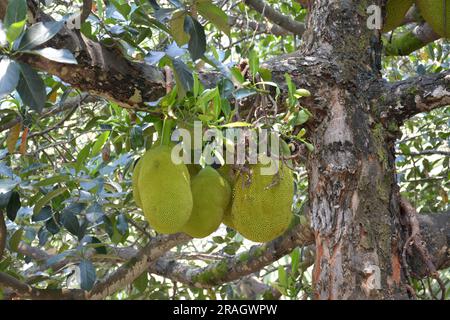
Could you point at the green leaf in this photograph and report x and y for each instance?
(214, 14)
(52, 180)
(39, 33)
(58, 55)
(295, 261)
(253, 60)
(244, 93)
(101, 140)
(46, 199)
(87, 275)
(15, 239)
(82, 155)
(282, 277)
(15, 12)
(70, 222)
(237, 124)
(31, 88)
(9, 76)
(237, 74)
(302, 93)
(43, 215)
(183, 77)
(15, 30)
(197, 40)
(177, 28)
(13, 206)
(141, 282)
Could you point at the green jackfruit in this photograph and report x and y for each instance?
(211, 194)
(395, 13)
(136, 196)
(226, 172)
(433, 12)
(261, 208)
(165, 191)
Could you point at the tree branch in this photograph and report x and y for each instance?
(276, 17)
(26, 291)
(257, 26)
(132, 269)
(402, 100)
(234, 268)
(405, 43)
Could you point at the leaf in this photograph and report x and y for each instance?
(15, 30)
(43, 235)
(52, 180)
(237, 74)
(15, 12)
(176, 26)
(237, 124)
(31, 88)
(15, 239)
(302, 93)
(141, 282)
(197, 40)
(7, 185)
(183, 76)
(214, 14)
(9, 76)
(39, 33)
(46, 199)
(282, 277)
(87, 275)
(13, 206)
(253, 60)
(44, 214)
(122, 224)
(295, 261)
(99, 143)
(82, 155)
(13, 136)
(244, 93)
(58, 55)
(70, 222)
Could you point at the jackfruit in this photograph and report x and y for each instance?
(211, 194)
(395, 13)
(164, 190)
(136, 196)
(261, 208)
(434, 14)
(227, 173)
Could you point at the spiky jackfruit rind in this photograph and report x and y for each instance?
(395, 13)
(165, 191)
(433, 13)
(261, 209)
(227, 173)
(134, 185)
(211, 194)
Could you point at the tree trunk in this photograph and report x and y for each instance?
(353, 193)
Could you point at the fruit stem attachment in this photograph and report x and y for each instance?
(167, 131)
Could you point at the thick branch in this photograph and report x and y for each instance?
(276, 17)
(405, 43)
(234, 268)
(401, 100)
(257, 26)
(131, 270)
(26, 291)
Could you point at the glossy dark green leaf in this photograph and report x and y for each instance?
(87, 275)
(39, 33)
(141, 282)
(183, 76)
(31, 88)
(43, 215)
(122, 224)
(58, 55)
(197, 40)
(43, 236)
(52, 226)
(9, 76)
(70, 222)
(13, 206)
(15, 239)
(15, 12)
